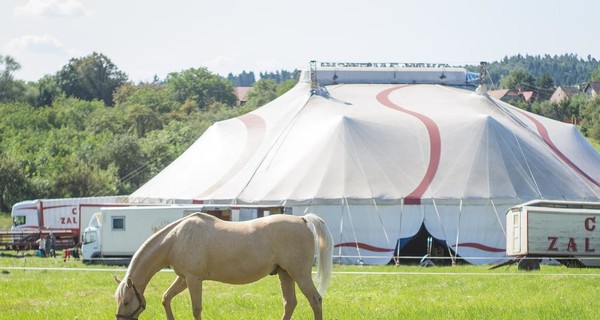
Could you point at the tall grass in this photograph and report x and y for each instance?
(377, 292)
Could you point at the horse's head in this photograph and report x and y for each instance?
(130, 302)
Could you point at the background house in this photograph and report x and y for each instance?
(592, 89)
(563, 93)
(241, 94)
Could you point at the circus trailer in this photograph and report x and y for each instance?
(56, 214)
(564, 230)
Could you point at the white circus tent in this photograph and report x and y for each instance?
(381, 150)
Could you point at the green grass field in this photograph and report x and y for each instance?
(370, 292)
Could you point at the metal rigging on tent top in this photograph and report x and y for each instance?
(483, 77)
(314, 83)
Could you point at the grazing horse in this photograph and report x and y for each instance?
(201, 247)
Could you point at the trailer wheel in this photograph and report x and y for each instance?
(528, 264)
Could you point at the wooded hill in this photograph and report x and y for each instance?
(565, 70)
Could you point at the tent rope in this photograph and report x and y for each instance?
(360, 260)
(385, 234)
(341, 231)
(537, 187)
(460, 207)
(498, 217)
(399, 241)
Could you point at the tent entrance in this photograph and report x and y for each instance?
(421, 247)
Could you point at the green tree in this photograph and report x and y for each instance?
(590, 118)
(14, 185)
(286, 86)
(154, 96)
(263, 91)
(518, 79)
(544, 86)
(125, 155)
(11, 90)
(142, 120)
(48, 90)
(76, 178)
(200, 86)
(549, 110)
(595, 76)
(93, 77)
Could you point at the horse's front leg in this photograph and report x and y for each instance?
(176, 287)
(195, 287)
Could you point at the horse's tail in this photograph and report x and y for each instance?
(324, 242)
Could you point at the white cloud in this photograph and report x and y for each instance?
(35, 44)
(51, 9)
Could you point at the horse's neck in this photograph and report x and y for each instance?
(148, 260)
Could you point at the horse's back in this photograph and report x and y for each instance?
(241, 252)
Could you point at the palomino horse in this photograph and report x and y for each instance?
(201, 247)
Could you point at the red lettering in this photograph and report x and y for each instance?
(590, 223)
(588, 248)
(68, 220)
(552, 246)
(74, 211)
(572, 245)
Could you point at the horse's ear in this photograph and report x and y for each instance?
(129, 282)
(117, 280)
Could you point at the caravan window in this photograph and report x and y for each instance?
(18, 221)
(118, 223)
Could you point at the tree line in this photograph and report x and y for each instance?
(87, 130)
(564, 70)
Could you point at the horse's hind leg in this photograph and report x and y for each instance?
(307, 287)
(288, 289)
(176, 287)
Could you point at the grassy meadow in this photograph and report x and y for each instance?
(64, 291)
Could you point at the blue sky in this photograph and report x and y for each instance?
(147, 38)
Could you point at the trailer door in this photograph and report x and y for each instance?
(516, 232)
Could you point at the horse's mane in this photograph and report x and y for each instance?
(120, 292)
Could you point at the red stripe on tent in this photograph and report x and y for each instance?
(363, 246)
(543, 132)
(435, 145)
(479, 246)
